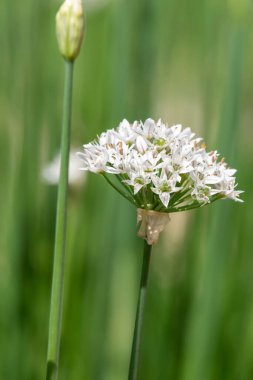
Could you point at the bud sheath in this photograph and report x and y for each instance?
(70, 28)
(152, 223)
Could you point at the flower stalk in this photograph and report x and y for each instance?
(69, 32)
(134, 361)
(60, 234)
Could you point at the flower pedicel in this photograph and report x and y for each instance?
(160, 169)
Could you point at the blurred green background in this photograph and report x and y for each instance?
(187, 62)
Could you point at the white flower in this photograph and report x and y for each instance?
(141, 144)
(201, 193)
(146, 129)
(159, 167)
(164, 187)
(51, 172)
(138, 180)
(96, 158)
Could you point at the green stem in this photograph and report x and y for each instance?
(60, 234)
(129, 198)
(132, 375)
(120, 178)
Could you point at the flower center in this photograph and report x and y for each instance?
(139, 181)
(165, 188)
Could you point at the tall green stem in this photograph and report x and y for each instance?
(132, 375)
(60, 234)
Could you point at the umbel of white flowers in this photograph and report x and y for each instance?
(160, 168)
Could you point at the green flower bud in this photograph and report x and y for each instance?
(70, 28)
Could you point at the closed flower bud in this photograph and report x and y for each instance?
(70, 28)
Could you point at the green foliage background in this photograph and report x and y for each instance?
(187, 62)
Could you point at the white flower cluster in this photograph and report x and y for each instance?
(161, 168)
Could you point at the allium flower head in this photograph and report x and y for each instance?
(160, 168)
